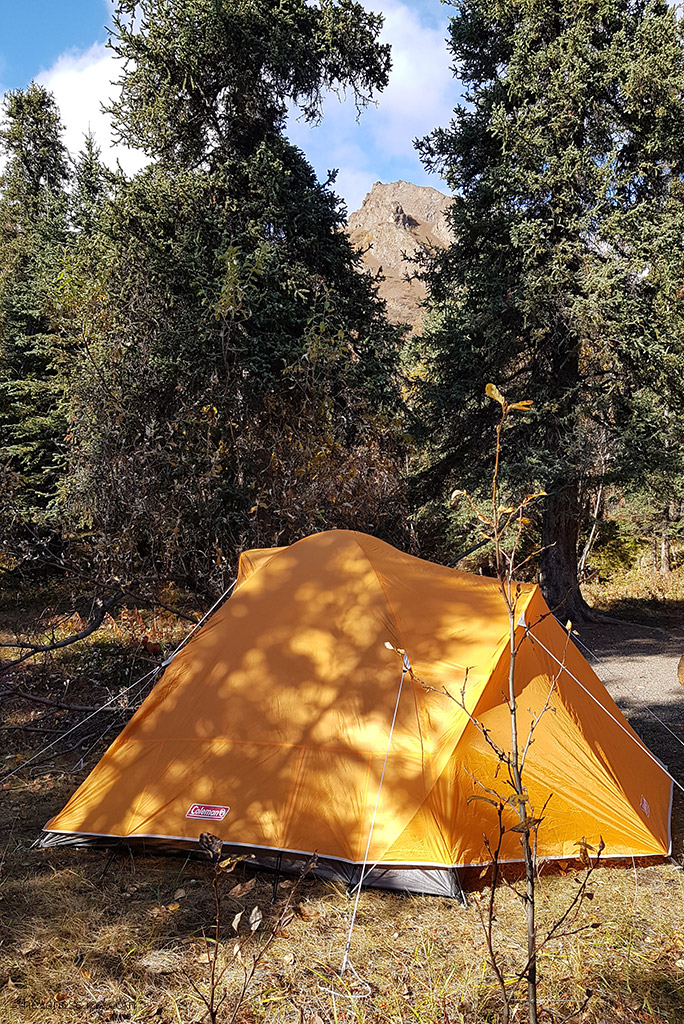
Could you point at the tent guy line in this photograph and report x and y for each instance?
(78, 725)
(405, 667)
(638, 742)
(226, 593)
(640, 703)
(137, 682)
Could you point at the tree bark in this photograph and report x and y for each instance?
(558, 559)
(664, 554)
(665, 545)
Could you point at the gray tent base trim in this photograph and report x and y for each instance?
(419, 880)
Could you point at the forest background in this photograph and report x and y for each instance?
(192, 363)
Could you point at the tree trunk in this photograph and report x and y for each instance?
(558, 559)
(665, 545)
(664, 554)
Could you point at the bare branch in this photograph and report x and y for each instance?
(21, 694)
(31, 650)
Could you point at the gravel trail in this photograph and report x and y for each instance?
(638, 665)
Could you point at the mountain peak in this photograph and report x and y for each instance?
(394, 222)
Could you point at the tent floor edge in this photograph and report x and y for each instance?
(432, 881)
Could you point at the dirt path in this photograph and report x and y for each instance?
(639, 668)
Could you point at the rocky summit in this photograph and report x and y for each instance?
(395, 221)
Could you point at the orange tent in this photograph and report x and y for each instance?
(329, 706)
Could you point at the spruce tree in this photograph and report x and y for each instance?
(33, 233)
(92, 182)
(562, 283)
(237, 388)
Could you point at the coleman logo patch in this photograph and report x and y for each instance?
(208, 812)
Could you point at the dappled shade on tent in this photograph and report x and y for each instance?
(270, 728)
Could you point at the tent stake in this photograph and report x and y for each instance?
(279, 863)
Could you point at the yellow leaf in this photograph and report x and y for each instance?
(493, 392)
(522, 406)
(457, 494)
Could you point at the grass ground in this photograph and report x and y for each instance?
(641, 595)
(82, 940)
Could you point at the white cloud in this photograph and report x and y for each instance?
(82, 83)
(421, 93)
(420, 96)
(353, 183)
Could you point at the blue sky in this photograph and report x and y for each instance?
(61, 43)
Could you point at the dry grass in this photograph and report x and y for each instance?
(641, 595)
(77, 945)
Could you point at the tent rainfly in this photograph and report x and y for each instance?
(312, 714)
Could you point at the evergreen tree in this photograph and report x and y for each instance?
(33, 232)
(238, 364)
(562, 284)
(92, 183)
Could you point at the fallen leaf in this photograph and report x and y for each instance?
(242, 888)
(285, 918)
(30, 946)
(288, 958)
(255, 918)
(10, 991)
(179, 894)
(173, 906)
